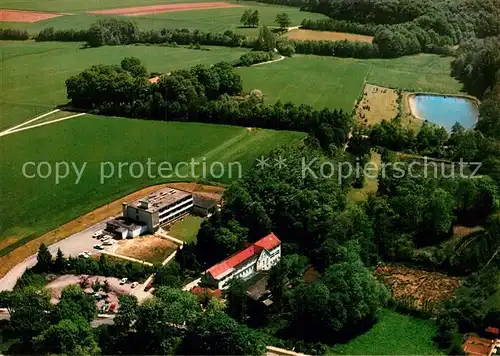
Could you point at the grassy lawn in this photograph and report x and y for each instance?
(187, 229)
(394, 334)
(422, 72)
(31, 207)
(337, 82)
(33, 74)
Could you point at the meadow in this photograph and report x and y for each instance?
(337, 82)
(31, 207)
(394, 334)
(34, 73)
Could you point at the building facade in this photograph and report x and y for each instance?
(159, 208)
(259, 256)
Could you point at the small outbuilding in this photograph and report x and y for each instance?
(204, 206)
(125, 228)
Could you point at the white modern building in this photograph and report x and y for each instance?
(259, 256)
(159, 208)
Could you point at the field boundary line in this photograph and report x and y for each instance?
(11, 129)
(41, 124)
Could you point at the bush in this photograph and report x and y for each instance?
(50, 34)
(286, 48)
(254, 57)
(13, 34)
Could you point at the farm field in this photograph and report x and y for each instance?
(33, 206)
(186, 229)
(394, 334)
(338, 82)
(213, 20)
(326, 36)
(33, 74)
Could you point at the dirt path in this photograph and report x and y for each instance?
(29, 121)
(11, 131)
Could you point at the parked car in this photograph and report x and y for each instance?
(98, 247)
(135, 284)
(108, 243)
(123, 281)
(148, 287)
(106, 237)
(84, 255)
(97, 234)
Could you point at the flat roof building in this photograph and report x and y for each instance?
(159, 208)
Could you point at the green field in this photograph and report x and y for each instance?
(31, 207)
(33, 74)
(213, 20)
(187, 229)
(337, 82)
(394, 334)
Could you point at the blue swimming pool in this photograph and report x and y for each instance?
(445, 110)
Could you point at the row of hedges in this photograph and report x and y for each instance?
(340, 26)
(254, 57)
(13, 34)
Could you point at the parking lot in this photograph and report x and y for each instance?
(71, 246)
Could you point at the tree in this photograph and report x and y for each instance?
(134, 66)
(59, 263)
(75, 304)
(169, 275)
(254, 19)
(29, 310)
(44, 259)
(68, 337)
(245, 18)
(249, 18)
(127, 313)
(346, 300)
(237, 299)
(161, 320)
(283, 20)
(215, 333)
(266, 40)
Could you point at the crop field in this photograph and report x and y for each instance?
(302, 35)
(214, 20)
(33, 74)
(338, 82)
(394, 334)
(31, 207)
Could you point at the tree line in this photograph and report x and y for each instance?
(403, 27)
(201, 94)
(394, 41)
(171, 322)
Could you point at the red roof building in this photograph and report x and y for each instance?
(259, 256)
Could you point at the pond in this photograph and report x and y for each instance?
(445, 110)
